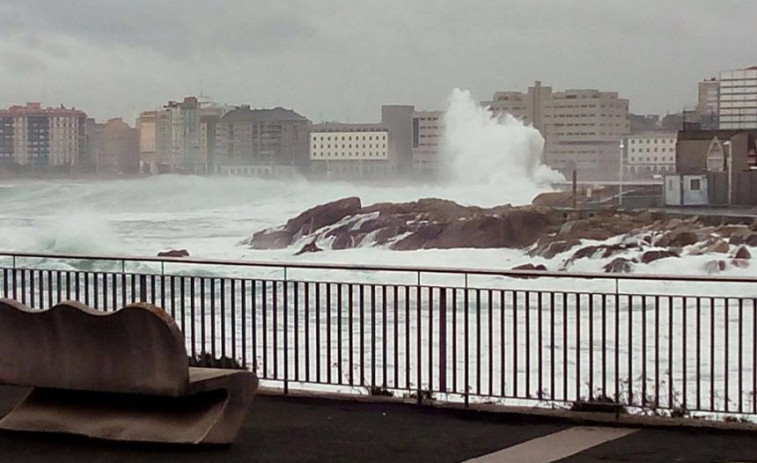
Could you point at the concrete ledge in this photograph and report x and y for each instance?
(532, 414)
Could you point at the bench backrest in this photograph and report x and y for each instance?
(138, 349)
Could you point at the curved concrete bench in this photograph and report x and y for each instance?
(121, 376)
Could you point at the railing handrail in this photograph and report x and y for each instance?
(387, 268)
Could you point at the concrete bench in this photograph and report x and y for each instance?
(122, 375)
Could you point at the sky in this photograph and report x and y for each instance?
(340, 60)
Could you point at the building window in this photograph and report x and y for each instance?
(695, 184)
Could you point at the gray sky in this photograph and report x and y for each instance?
(342, 59)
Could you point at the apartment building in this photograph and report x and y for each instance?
(582, 128)
(737, 99)
(349, 151)
(37, 137)
(113, 147)
(428, 131)
(179, 137)
(649, 155)
(261, 142)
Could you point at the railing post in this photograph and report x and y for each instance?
(466, 347)
(443, 340)
(143, 288)
(419, 341)
(286, 333)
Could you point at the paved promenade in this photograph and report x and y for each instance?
(288, 429)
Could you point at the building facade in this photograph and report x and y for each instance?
(737, 99)
(179, 137)
(349, 151)
(649, 155)
(261, 142)
(42, 138)
(428, 132)
(113, 147)
(708, 104)
(582, 129)
(728, 158)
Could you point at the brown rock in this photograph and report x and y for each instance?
(323, 215)
(740, 263)
(558, 247)
(651, 256)
(310, 247)
(174, 253)
(715, 266)
(537, 267)
(742, 253)
(720, 246)
(271, 239)
(619, 265)
(677, 238)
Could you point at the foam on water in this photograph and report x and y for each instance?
(489, 161)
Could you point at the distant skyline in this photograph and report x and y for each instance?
(342, 59)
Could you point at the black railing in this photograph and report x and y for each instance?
(669, 344)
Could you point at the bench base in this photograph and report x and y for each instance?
(206, 417)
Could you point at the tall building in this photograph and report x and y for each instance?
(261, 142)
(399, 120)
(349, 151)
(37, 137)
(428, 130)
(707, 104)
(582, 129)
(113, 147)
(179, 137)
(737, 99)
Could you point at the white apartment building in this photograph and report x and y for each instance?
(737, 99)
(582, 128)
(649, 154)
(428, 130)
(349, 150)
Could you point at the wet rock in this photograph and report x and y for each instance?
(719, 246)
(742, 253)
(619, 265)
(174, 253)
(740, 263)
(532, 267)
(271, 239)
(651, 256)
(310, 247)
(715, 266)
(677, 238)
(550, 250)
(306, 223)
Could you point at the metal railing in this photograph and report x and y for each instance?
(670, 344)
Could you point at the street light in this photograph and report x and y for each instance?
(729, 164)
(620, 175)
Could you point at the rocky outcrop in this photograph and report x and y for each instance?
(304, 224)
(619, 239)
(424, 224)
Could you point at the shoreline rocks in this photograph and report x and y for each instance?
(625, 239)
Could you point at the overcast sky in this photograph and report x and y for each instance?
(342, 59)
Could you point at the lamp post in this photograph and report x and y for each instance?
(729, 164)
(620, 175)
